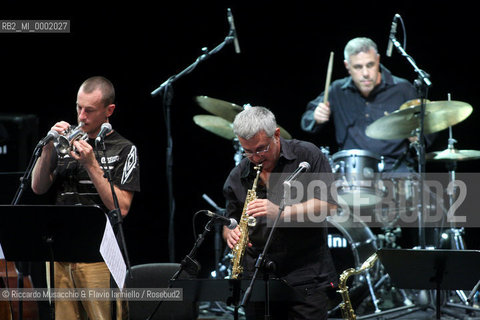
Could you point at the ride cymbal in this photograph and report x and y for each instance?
(402, 124)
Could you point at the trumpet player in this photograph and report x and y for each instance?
(78, 179)
(300, 255)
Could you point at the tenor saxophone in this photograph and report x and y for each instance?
(245, 222)
(346, 305)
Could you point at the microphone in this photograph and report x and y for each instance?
(233, 30)
(104, 130)
(393, 31)
(229, 222)
(302, 167)
(51, 135)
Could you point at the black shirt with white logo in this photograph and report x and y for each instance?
(73, 185)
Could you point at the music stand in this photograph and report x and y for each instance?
(52, 233)
(432, 269)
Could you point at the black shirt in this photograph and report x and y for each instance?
(301, 254)
(73, 185)
(352, 113)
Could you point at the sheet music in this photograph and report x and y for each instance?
(112, 255)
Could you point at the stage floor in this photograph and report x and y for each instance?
(219, 311)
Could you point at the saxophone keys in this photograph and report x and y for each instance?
(252, 221)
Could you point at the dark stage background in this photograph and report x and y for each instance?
(285, 50)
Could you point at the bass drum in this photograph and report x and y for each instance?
(351, 244)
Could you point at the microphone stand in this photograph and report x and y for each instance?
(188, 261)
(422, 83)
(260, 260)
(218, 235)
(37, 152)
(166, 89)
(115, 213)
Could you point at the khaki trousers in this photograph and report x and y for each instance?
(82, 275)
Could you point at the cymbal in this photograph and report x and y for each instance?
(223, 109)
(216, 125)
(284, 134)
(401, 124)
(228, 111)
(412, 103)
(453, 155)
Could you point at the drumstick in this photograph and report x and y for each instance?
(329, 77)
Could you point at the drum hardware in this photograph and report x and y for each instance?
(326, 153)
(389, 237)
(453, 237)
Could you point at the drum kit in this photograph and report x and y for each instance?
(357, 175)
(355, 167)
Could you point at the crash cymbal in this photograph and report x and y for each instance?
(224, 109)
(228, 111)
(216, 125)
(453, 155)
(401, 124)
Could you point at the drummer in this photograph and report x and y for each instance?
(369, 93)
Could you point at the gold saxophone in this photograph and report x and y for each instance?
(346, 305)
(245, 222)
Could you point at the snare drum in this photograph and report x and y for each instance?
(358, 177)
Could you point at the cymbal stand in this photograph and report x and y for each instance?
(454, 234)
(422, 83)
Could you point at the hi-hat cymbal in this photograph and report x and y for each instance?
(224, 109)
(402, 124)
(227, 111)
(453, 155)
(216, 125)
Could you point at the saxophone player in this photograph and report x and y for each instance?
(299, 255)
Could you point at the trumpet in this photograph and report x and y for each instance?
(64, 142)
